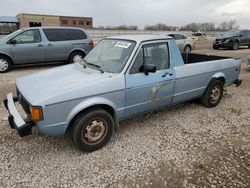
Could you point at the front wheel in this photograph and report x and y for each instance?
(215, 47)
(5, 64)
(236, 46)
(92, 130)
(213, 94)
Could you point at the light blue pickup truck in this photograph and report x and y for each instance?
(121, 77)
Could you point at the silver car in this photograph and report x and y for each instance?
(43, 44)
(184, 43)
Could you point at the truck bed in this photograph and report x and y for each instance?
(189, 58)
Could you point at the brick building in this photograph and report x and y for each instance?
(33, 20)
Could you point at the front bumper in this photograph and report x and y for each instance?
(23, 127)
(222, 44)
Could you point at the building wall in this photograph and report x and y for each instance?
(45, 20)
(51, 20)
(82, 22)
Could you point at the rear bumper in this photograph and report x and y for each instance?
(23, 127)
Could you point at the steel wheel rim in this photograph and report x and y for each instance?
(95, 131)
(215, 94)
(77, 58)
(3, 65)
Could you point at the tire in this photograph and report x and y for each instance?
(235, 46)
(76, 57)
(213, 94)
(187, 49)
(215, 47)
(5, 64)
(92, 130)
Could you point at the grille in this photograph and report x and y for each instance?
(23, 102)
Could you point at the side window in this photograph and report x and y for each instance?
(30, 36)
(76, 34)
(55, 34)
(156, 54)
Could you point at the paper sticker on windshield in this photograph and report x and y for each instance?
(122, 44)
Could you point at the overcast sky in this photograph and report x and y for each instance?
(137, 12)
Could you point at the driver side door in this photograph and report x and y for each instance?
(145, 92)
(27, 47)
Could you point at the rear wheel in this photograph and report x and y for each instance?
(187, 49)
(236, 46)
(92, 130)
(5, 64)
(213, 94)
(76, 57)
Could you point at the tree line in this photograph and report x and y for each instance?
(206, 26)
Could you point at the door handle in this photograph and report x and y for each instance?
(49, 44)
(165, 74)
(39, 45)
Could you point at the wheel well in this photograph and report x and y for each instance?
(105, 107)
(77, 51)
(222, 79)
(8, 57)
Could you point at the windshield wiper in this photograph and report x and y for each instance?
(95, 66)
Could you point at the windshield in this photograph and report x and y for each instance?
(230, 33)
(111, 54)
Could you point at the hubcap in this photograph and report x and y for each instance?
(187, 49)
(94, 131)
(77, 58)
(215, 94)
(3, 64)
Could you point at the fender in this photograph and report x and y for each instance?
(92, 102)
(219, 75)
(77, 49)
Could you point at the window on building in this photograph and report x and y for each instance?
(81, 22)
(74, 22)
(89, 22)
(65, 22)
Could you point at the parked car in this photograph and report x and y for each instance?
(233, 40)
(43, 44)
(199, 35)
(120, 78)
(184, 43)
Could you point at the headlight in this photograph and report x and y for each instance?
(228, 40)
(36, 113)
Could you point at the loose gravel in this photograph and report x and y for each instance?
(187, 145)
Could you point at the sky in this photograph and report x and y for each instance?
(137, 12)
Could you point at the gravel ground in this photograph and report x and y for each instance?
(187, 145)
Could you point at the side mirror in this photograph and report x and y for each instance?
(149, 68)
(13, 41)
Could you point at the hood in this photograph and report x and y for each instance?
(60, 84)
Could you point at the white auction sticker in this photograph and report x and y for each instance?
(122, 44)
